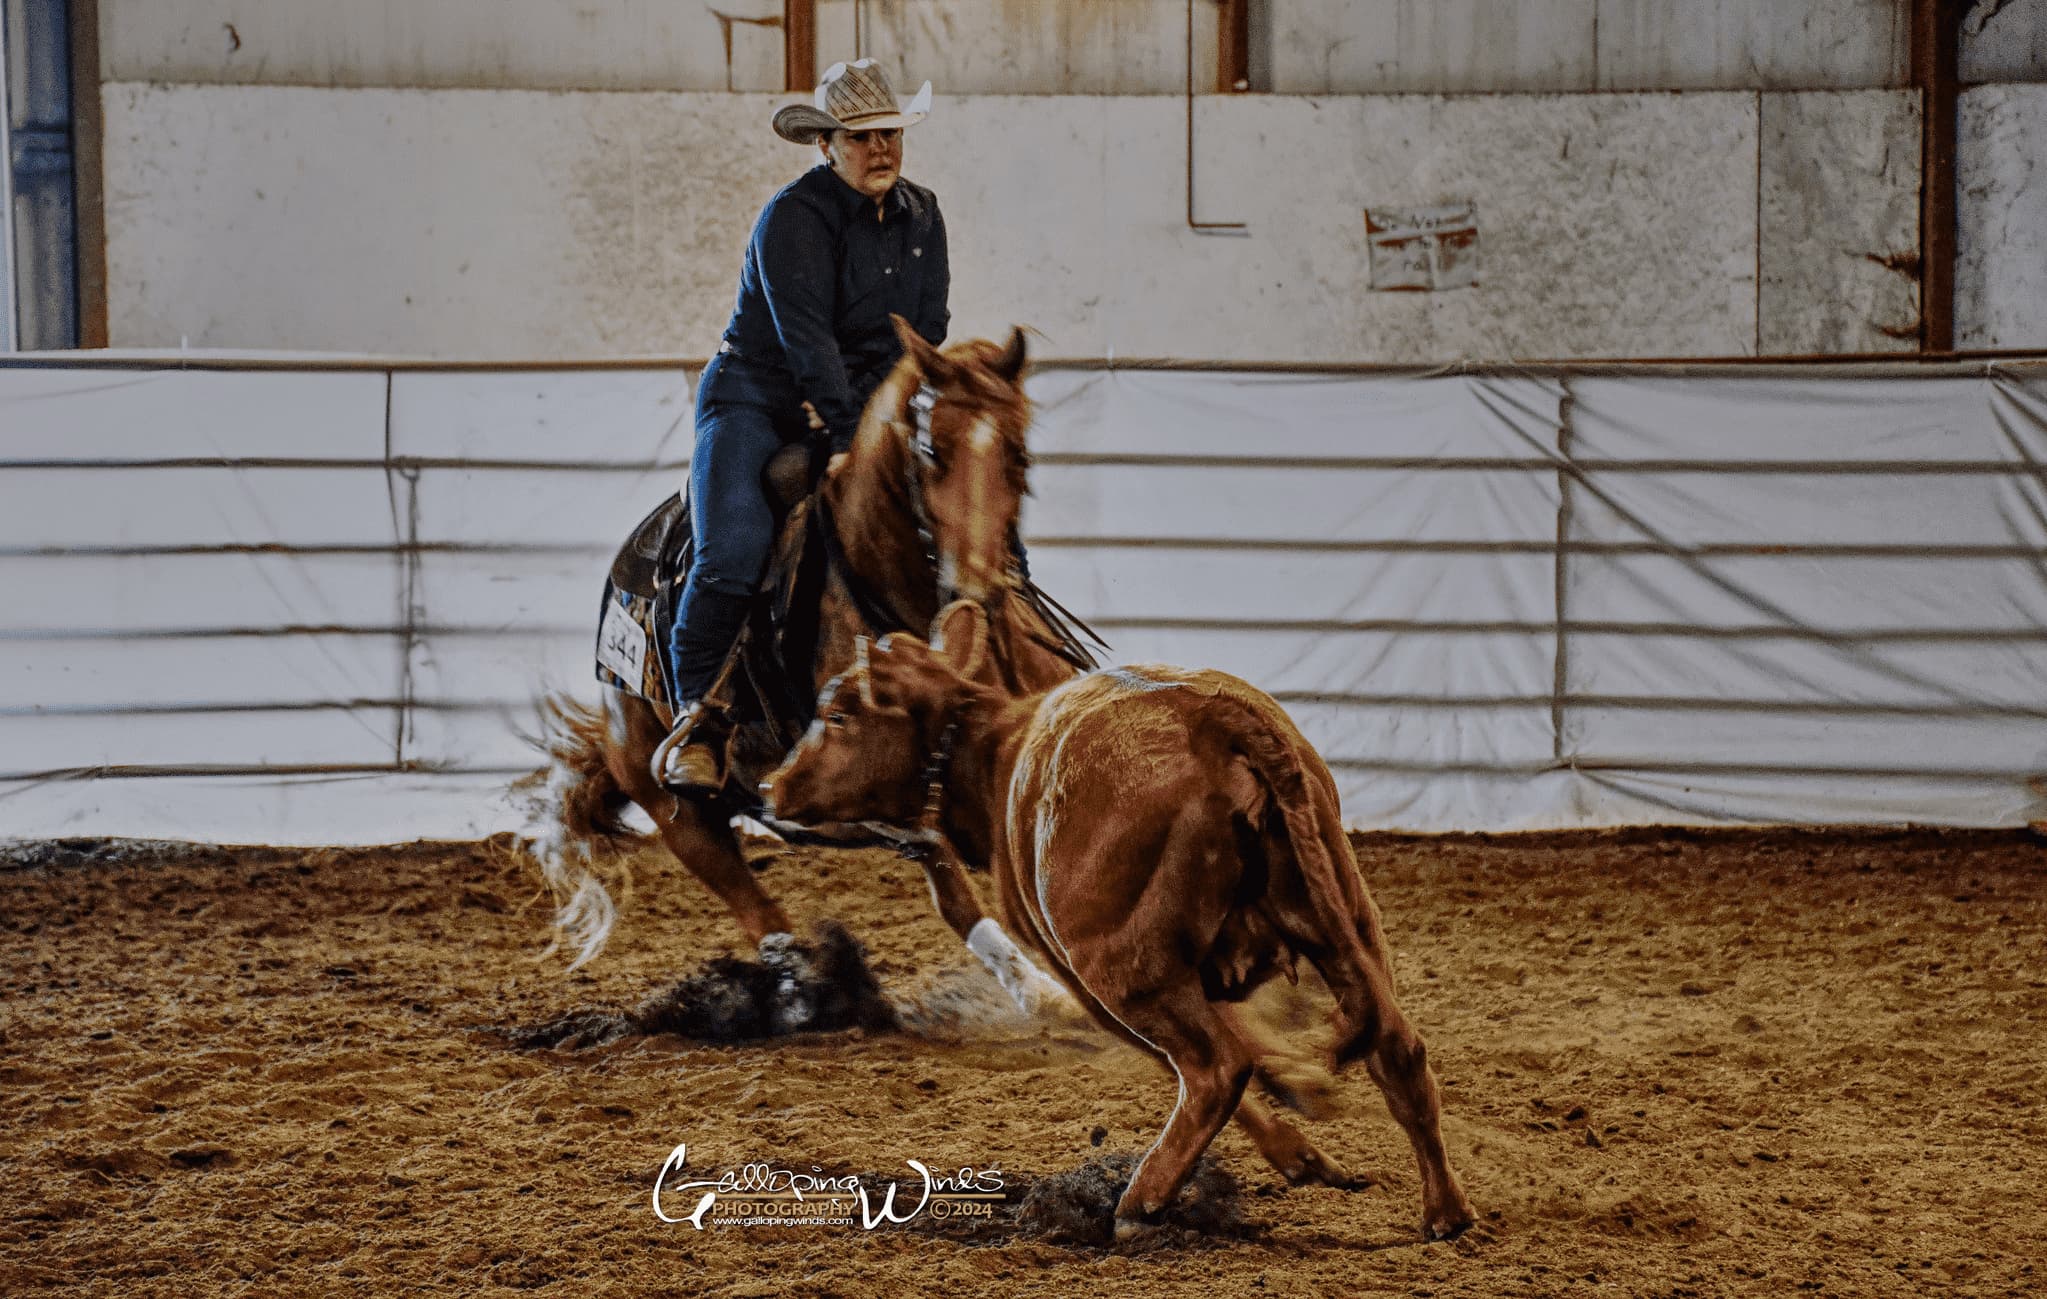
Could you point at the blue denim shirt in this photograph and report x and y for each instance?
(820, 280)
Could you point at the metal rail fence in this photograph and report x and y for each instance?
(1673, 581)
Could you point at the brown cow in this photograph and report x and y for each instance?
(1167, 841)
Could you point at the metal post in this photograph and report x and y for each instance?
(1233, 65)
(799, 44)
(1199, 227)
(9, 334)
(88, 193)
(1936, 73)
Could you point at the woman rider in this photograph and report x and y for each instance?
(832, 256)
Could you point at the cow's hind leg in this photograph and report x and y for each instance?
(1289, 1152)
(1298, 1084)
(1399, 1063)
(1213, 1066)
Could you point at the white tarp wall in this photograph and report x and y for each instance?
(316, 605)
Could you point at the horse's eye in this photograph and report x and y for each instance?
(835, 719)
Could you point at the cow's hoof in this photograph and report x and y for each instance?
(1320, 1170)
(1447, 1226)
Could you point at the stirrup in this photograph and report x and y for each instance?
(692, 759)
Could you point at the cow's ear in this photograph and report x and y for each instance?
(861, 672)
(961, 636)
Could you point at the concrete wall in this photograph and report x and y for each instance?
(1027, 46)
(498, 225)
(1838, 247)
(2001, 258)
(966, 46)
(1024, 47)
(1456, 46)
(527, 44)
(2005, 42)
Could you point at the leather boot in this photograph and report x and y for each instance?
(692, 760)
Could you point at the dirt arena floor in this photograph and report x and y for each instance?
(1674, 1064)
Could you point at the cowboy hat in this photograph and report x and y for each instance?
(852, 97)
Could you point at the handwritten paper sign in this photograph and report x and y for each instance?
(1423, 249)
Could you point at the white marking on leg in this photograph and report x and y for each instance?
(1027, 985)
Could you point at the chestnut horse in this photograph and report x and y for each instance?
(922, 511)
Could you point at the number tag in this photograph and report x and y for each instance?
(622, 645)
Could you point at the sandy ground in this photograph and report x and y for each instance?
(1673, 1064)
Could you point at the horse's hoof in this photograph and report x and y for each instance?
(794, 1006)
(1129, 1230)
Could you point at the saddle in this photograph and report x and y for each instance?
(780, 639)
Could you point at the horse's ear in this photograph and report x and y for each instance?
(1010, 364)
(861, 672)
(935, 367)
(960, 635)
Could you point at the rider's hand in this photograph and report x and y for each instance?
(816, 420)
(832, 465)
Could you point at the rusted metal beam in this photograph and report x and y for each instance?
(88, 186)
(1199, 227)
(1233, 48)
(799, 44)
(1936, 74)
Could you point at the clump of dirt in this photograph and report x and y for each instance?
(1075, 1209)
(1079, 1207)
(822, 986)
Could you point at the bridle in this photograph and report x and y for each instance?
(924, 459)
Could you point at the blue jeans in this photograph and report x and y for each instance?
(745, 413)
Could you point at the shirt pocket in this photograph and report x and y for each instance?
(862, 278)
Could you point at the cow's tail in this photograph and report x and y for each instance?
(573, 814)
(1349, 966)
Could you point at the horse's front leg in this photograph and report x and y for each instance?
(1027, 985)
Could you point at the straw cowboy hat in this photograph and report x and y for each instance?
(852, 97)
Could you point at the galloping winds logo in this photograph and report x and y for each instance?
(763, 1194)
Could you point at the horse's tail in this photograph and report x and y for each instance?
(574, 813)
